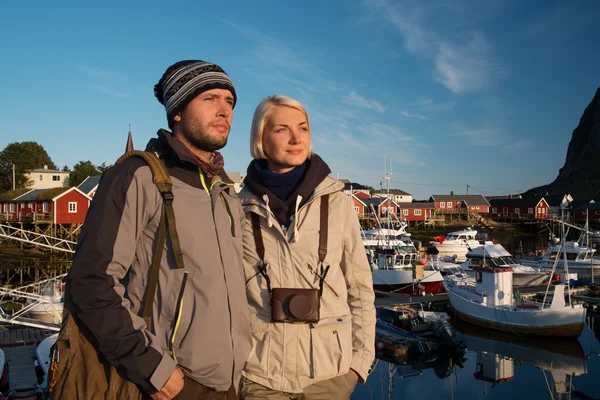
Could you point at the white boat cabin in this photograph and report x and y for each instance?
(495, 285)
(574, 251)
(395, 259)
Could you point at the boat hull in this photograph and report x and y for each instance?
(401, 280)
(563, 321)
(428, 288)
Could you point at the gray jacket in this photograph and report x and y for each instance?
(200, 312)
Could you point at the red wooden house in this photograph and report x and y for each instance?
(90, 185)
(56, 205)
(527, 207)
(382, 206)
(359, 206)
(465, 203)
(587, 212)
(417, 211)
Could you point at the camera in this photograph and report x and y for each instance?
(295, 305)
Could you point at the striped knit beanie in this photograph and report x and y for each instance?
(185, 80)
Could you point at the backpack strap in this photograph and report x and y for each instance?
(162, 180)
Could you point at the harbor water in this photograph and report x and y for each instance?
(495, 366)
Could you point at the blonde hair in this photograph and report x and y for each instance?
(259, 121)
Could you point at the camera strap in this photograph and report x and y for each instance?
(260, 245)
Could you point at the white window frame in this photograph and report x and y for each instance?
(45, 206)
(11, 207)
(494, 210)
(41, 178)
(57, 178)
(442, 204)
(518, 210)
(417, 212)
(530, 211)
(72, 210)
(405, 212)
(449, 204)
(357, 209)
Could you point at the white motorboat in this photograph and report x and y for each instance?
(496, 256)
(487, 300)
(580, 259)
(457, 244)
(403, 271)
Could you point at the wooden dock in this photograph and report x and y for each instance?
(21, 372)
(23, 337)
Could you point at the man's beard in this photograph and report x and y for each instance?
(199, 137)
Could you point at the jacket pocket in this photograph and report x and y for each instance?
(331, 348)
(258, 361)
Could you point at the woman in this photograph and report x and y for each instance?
(302, 232)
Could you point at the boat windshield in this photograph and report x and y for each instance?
(505, 261)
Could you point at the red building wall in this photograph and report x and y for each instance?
(63, 216)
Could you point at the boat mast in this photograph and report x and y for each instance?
(564, 250)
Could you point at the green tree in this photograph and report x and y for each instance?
(103, 167)
(82, 170)
(25, 156)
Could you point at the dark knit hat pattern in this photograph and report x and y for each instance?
(185, 80)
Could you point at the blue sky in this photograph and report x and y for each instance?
(456, 92)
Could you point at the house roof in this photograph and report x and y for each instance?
(53, 171)
(376, 201)
(469, 199)
(579, 203)
(418, 205)
(354, 186)
(89, 183)
(32, 195)
(13, 194)
(510, 196)
(524, 202)
(393, 191)
(589, 206)
(553, 200)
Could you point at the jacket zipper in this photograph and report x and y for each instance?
(207, 190)
(178, 313)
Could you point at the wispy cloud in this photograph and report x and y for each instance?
(354, 99)
(460, 67)
(466, 68)
(106, 90)
(103, 73)
(487, 137)
(407, 114)
(102, 80)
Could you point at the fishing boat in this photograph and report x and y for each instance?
(496, 256)
(579, 256)
(487, 300)
(403, 271)
(4, 383)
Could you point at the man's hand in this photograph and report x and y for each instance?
(173, 386)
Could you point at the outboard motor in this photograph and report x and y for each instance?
(444, 333)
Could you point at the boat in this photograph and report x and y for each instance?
(580, 259)
(4, 382)
(414, 319)
(403, 271)
(42, 363)
(496, 256)
(48, 306)
(487, 300)
(457, 244)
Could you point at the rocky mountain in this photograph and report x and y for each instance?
(580, 176)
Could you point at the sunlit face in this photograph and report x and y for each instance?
(205, 122)
(286, 139)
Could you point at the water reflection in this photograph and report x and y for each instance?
(497, 354)
(494, 365)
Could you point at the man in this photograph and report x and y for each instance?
(200, 336)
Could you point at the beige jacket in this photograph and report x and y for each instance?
(289, 357)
